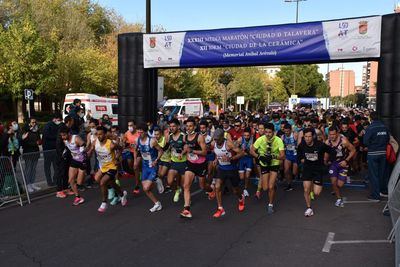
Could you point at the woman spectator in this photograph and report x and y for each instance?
(10, 144)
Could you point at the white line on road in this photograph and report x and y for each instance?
(360, 201)
(328, 242)
(196, 192)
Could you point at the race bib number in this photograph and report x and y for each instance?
(146, 156)
(193, 157)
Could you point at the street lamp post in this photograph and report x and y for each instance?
(225, 78)
(148, 16)
(297, 21)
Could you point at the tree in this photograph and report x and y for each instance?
(27, 60)
(309, 82)
(278, 92)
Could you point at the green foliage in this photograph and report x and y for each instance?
(278, 92)
(58, 46)
(27, 59)
(309, 82)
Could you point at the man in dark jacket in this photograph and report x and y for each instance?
(63, 157)
(30, 147)
(49, 145)
(376, 138)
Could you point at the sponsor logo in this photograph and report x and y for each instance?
(159, 58)
(343, 29)
(363, 27)
(354, 48)
(152, 42)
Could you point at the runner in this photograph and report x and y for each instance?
(227, 156)
(130, 138)
(290, 163)
(150, 152)
(210, 157)
(338, 169)
(196, 165)
(260, 132)
(77, 169)
(165, 160)
(176, 141)
(313, 155)
(105, 150)
(270, 150)
(246, 162)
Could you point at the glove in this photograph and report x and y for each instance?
(265, 159)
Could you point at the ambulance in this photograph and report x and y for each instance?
(184, 108)
(94, 105)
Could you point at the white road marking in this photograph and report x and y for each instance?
(329, 242)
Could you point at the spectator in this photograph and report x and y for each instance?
(49, 145)
(74, 108)
(106, 122)
(10, 144)
(30, 147)
(376, 139)
(63, 157)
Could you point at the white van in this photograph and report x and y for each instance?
(95, 105)
(184, 107)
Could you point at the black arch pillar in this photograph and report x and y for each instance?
(388, 91)
(137, 86)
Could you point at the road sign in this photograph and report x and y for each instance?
(240, 100)
(28, 94)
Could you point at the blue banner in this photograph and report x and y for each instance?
(291, 43)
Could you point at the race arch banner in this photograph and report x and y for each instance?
(291, 43)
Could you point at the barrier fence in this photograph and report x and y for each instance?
(393, 205)
(10, 190)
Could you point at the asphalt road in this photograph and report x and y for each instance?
(52, 232)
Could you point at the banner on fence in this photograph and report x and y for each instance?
(290, 43)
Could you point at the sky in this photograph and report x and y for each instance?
(181, 15)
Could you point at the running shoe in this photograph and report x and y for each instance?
(167, 190)
(258, 195)
(309, 212)
(339, 203)
(211, 195)
(372, 199)
(177, 193)
(81, 188)
(124, 199)
(35, 187)
(270, 209)
(383, 195)
(312, 196)
(246, 193)
(288, 188)
(219, 213)
(156, 207)
(136, 191)
(160, 186)
(241, 204)
(103, 207)
(30, 188)
(61, 194)
(78, 200)
(186, 214)
(111, 193)
(69, 192)
(115, 201)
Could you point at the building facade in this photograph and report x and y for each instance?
(341, 82)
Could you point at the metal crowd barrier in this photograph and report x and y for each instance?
(393, 205)
(10, 190)
(38, 171)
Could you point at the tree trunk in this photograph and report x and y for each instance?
(20, 110)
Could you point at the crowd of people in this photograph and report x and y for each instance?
(305, 145)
